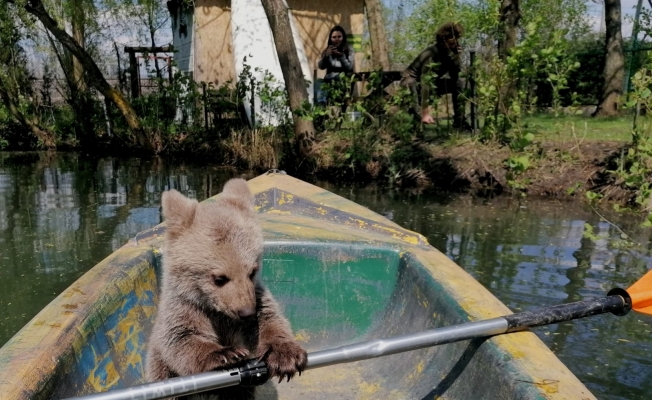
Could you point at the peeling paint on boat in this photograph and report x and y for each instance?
(342, 273)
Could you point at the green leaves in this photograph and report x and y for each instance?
(648, 222)
(520, 142)
(571, 190)
(592, 197)
(518, 164)
(588, 232)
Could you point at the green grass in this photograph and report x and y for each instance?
(568, 128)
(579, 127)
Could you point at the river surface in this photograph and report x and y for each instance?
(61, 214)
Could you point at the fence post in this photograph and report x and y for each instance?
(472, 95)
(170, 75)
(133, 72)
(633, 46)
(205, 97)
(253, 104)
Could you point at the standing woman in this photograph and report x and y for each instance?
(337, 58)
(445, 55)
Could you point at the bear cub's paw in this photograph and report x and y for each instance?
(228, 356)
(283, 358)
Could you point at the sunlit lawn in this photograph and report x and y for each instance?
(578, 127)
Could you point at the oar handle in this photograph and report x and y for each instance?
(617, 302)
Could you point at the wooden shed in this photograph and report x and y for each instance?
(202, 33)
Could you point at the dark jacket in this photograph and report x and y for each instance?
(334, 66)
(446, 62)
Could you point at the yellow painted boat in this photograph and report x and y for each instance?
(343, 274)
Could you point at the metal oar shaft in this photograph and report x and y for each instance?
(180, 386)
(252, 373)
(399, 344)
(470, 330)
(187, 385)
(618, 304)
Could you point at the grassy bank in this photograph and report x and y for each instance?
(568, 156)
(570, 128)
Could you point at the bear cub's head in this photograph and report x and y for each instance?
(213, 250)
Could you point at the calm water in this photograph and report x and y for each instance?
(59, 215)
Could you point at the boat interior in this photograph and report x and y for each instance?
(333, 294)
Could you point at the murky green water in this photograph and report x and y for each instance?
(59, 215)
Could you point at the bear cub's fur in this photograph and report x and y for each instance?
(213, 310)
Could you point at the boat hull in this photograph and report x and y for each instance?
(342, 273)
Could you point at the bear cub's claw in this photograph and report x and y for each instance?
(229, 356)
(283, 359)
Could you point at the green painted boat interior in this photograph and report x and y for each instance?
(331, 293)
(336, 294)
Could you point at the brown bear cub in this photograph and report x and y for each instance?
(213, 310)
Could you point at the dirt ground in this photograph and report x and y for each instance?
(556, 169)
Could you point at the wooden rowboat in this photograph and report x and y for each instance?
(343, 274)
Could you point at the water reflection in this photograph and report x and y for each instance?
(60, 215)
(532, 254)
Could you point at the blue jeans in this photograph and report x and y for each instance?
(322, 95)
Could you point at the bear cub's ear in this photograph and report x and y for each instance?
(179, 212)
(237, 193)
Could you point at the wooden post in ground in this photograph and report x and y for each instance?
(133, 74)
(205, 100)
(133, 65)
(633, 46)
(474, 124)
(170, 75)
(510, 15)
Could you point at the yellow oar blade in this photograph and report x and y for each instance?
(641, 294)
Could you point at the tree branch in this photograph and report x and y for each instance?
(37, 9)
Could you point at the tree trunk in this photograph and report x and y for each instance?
(279, 21)
(78, 34)
(47, 138)
(510, 15)
(80, 98)
(379, 53)
(614, 64)
(152, 37)
(36, 8)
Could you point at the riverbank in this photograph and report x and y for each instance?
(567, 157)
(553, 169)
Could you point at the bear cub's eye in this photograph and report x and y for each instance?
(221, 280)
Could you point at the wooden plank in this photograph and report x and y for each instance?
(214, 60)
(140, 49)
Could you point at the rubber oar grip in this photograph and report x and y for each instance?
(617, 302)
